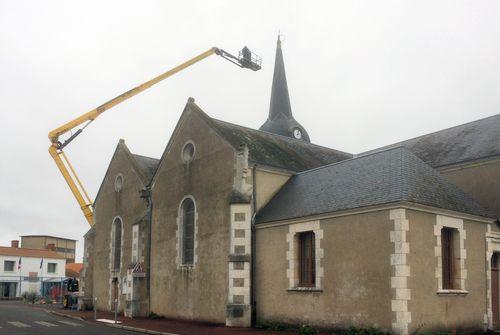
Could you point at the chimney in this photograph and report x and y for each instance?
(51, 247)
(14, 243)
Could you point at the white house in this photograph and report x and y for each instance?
(29, 270)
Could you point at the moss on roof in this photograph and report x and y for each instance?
(463, 143)
(274, 150)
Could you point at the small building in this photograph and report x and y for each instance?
(29, 270)
(63, 246)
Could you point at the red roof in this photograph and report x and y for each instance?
(73, 269)
(27, 252)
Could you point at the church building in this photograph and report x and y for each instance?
(235, 226)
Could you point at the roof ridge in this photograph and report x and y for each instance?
(351, 159)
(411, 156)
(268, 148)
(279, 136)
(394, 174)
(435, 132)
(39, 235)
(403, 185)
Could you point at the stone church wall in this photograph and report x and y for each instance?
(430, 305)
(353, 272)
(87, 273)
(196, 292)
(127, 205)
(378, 269)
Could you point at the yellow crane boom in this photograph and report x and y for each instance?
(246, 59)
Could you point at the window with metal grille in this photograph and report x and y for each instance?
(448, 249)
(307, 259)
(188, 213)
(117, 243)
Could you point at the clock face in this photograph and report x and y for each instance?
(297, 133)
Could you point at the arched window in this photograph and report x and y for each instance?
(117, 243)
(188, 213)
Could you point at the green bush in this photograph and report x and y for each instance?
(363, 331)
(307, 330)
(274, 326)
(154, 316)
(30, 297)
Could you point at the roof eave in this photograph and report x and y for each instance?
(374, 208)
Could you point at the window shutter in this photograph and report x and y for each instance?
(447, 257)
(307, 262)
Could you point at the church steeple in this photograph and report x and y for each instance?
(280, 120)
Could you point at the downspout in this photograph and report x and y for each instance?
(486, 322)
(253, 248)
(146, 194)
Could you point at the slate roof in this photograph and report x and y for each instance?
(467, 142)
(276, 150)
(148, 165)
(379, 178)
(272, 150)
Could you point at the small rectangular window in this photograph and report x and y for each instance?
(51, 267)
(448, 249)
(307, 259)
(8, 266)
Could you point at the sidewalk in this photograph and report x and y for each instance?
(160, 326)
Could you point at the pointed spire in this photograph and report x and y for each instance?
(280, 99)
(280, 120)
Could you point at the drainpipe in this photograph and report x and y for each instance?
(253, 249)
(146, 194)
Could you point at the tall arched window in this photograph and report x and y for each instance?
(188, 213)
(117, 243)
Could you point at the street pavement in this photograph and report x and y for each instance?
(17, 318)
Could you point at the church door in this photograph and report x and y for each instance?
(494, 291)
(114, 302)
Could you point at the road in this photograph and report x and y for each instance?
(19, 319)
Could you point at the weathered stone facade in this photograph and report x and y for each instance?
(215, 231)
(379, 270)
(376, 267)
(102, 280)
(197, 291)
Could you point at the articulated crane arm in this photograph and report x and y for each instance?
(246, 59)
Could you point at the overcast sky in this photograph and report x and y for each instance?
(361, 74)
